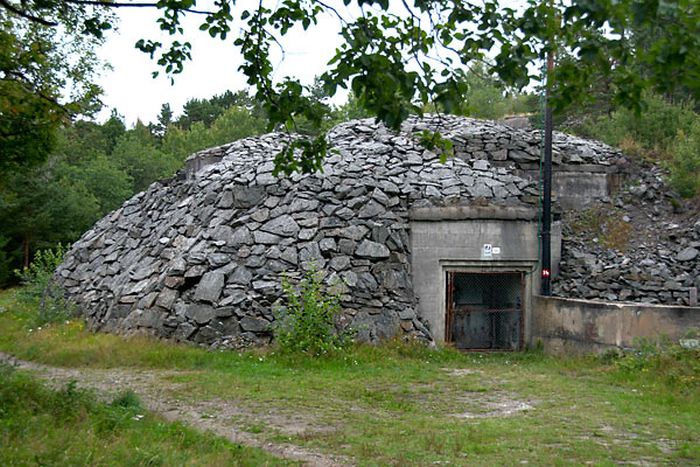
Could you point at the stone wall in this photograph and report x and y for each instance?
(584, 171)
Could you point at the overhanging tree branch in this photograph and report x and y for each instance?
(35, 19)
(106, 4)
(334, 11)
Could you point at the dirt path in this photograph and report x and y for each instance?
(218, 416)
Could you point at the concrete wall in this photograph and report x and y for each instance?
(578, 186)
(453, 239)
(201, 159)
(569, 325)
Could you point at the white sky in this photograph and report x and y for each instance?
(130, 88)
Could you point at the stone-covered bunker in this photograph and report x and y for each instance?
(440, 251)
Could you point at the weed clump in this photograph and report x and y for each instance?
(127, 400)
(662, 360)
(307, 323)
(606, 224)
(40, 291)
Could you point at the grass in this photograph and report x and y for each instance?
(41, 426)
(402, 404)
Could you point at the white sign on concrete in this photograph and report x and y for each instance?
(496, 250)
(487, 250)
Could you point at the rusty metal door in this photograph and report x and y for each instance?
(484, 310)
(450, 306)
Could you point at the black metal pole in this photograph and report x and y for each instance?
(547, 186)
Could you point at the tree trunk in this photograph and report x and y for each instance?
(26, 251)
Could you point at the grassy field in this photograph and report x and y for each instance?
(40, 426)
(396, 404)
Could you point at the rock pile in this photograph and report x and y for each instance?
(661, 257)
(480, 139)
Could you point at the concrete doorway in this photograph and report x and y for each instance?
(484, 310)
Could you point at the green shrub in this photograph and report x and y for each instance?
(684, 166)
(307, 324)
(38, 288)
(664, 131)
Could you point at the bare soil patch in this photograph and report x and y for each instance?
(487, 405)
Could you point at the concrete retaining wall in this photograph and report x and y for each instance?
(569, 325)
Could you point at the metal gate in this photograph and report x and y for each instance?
(484, 310)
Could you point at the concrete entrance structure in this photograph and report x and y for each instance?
(474, 239)
(578, 186)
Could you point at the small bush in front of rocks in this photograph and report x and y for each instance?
(307, 322)
(38, 288)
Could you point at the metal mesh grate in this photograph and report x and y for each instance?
(484, 311)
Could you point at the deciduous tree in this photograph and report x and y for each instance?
(46, 76)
